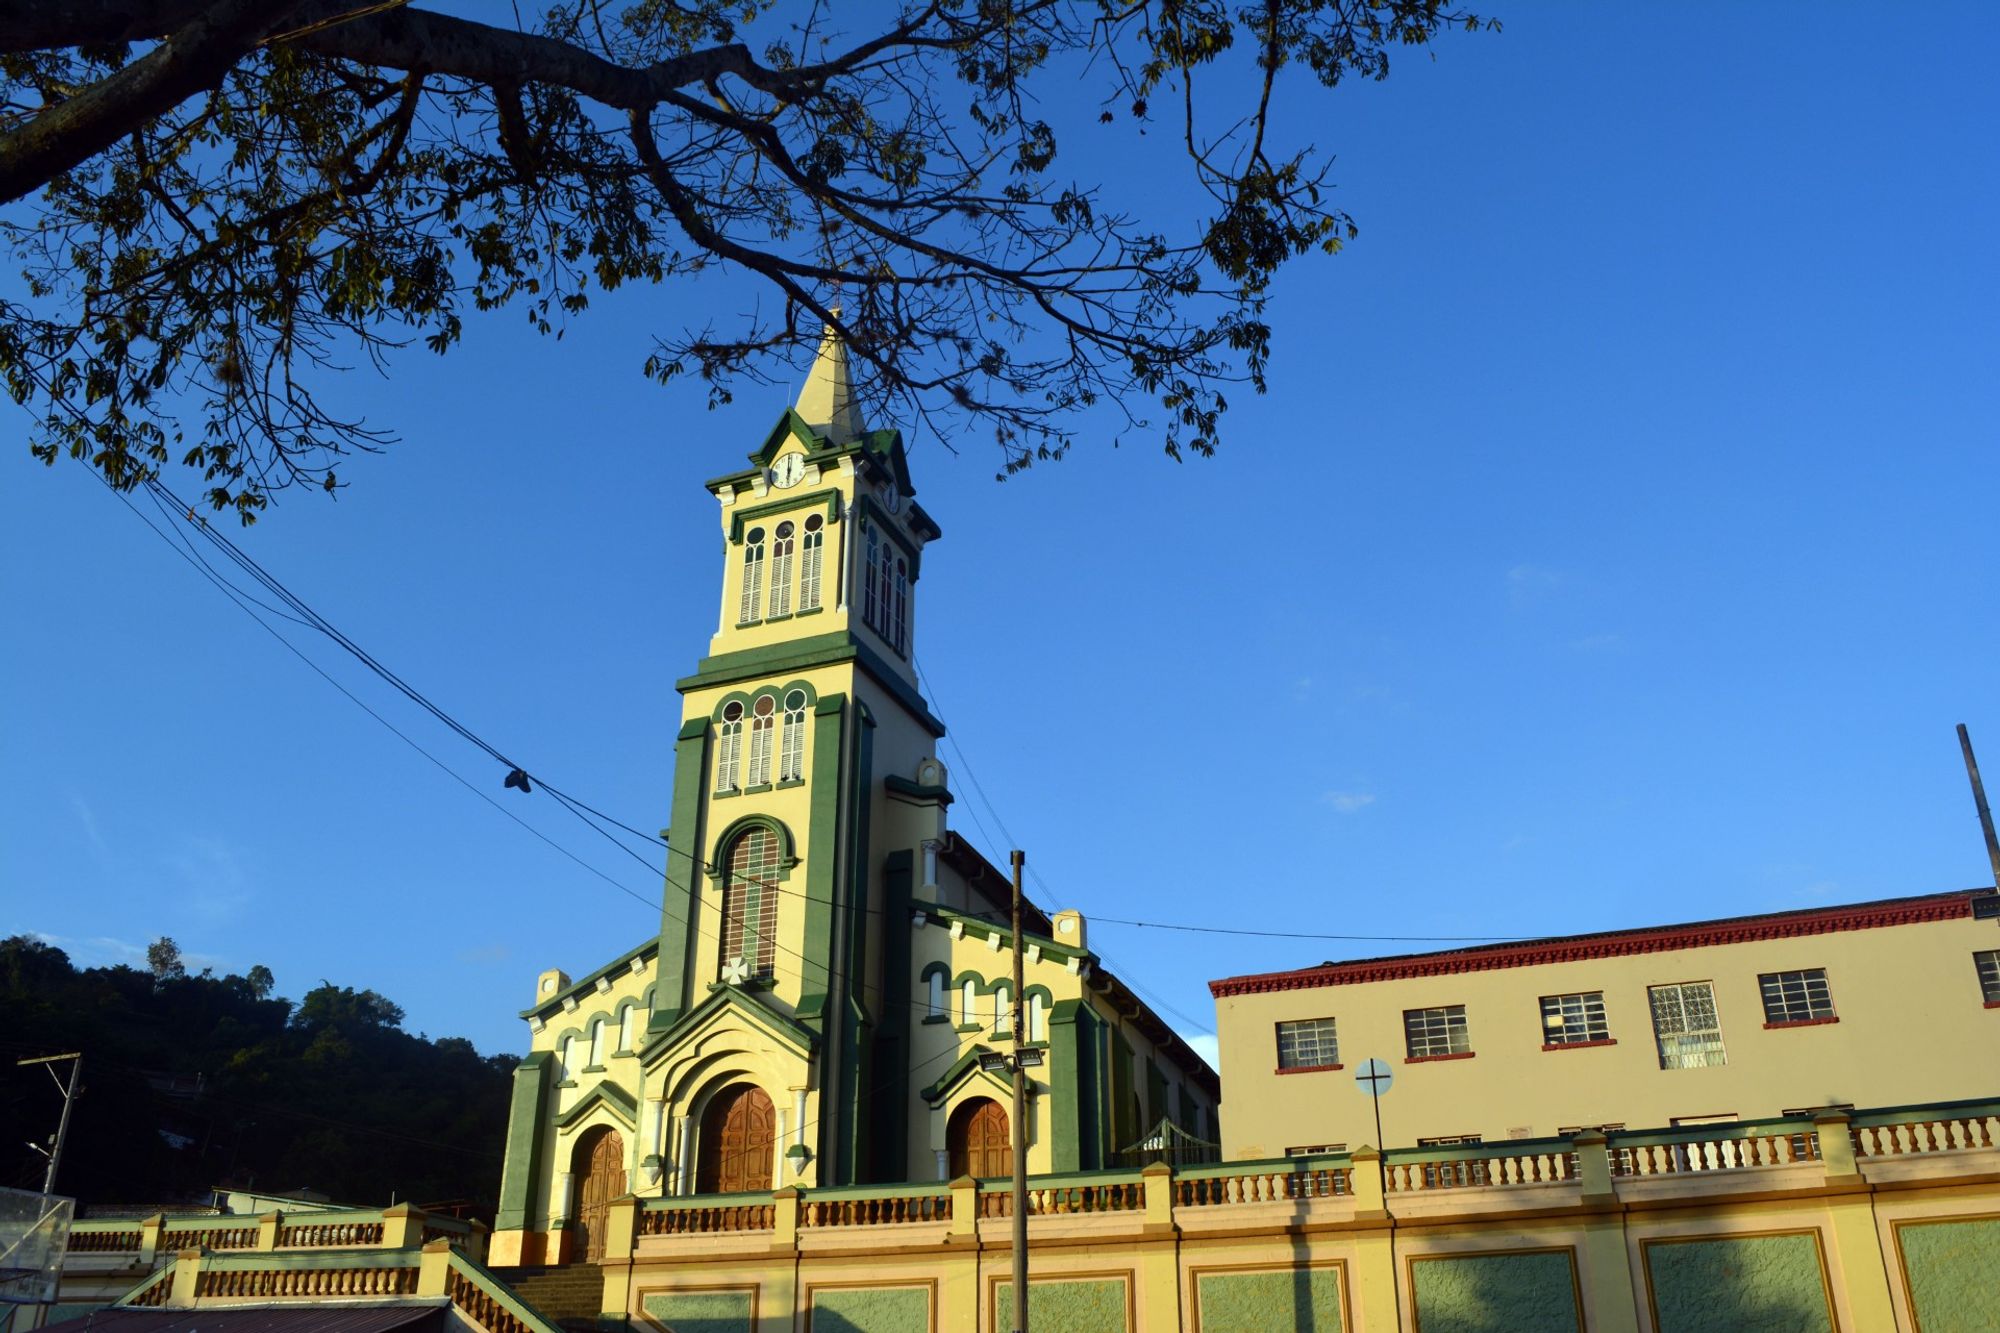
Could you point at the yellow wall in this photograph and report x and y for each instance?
(1912, 1029)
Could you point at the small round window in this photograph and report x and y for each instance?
(754, 535)
(732, 711)
(795, 701)
(815, 523)
(784, 531)
(766, 705)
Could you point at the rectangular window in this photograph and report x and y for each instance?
(1315, 1149)
(1308, 1044)
(1435, 1032)
(1796, 997)
(1988, 963)
(1621, 1158)
(1686, 1026)
(1571, 1020)
(1453, 1175)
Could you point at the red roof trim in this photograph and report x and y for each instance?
(1610, 944)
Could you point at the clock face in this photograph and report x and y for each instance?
(788, 470)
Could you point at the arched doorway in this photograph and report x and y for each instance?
(738, 1138)
(599, 1167)
(977, 1140)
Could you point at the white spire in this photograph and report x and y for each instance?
(827, 400)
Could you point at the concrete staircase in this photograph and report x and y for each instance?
(568, 1295)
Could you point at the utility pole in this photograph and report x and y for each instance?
(69, 1099)
(1979, 803)
(1020, 1199)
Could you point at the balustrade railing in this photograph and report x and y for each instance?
(1918, 1135)
(1737, 1147)
(328, 1235)
(874, 1210)
(281, 1283)
(83, 1239)
(1112, 1195)
(712, 1215)
(1548, 1162)
(209, 1238)
(1212, 1186)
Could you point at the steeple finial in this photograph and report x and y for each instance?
(827, 400)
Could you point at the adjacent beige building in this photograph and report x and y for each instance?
(1871, 1004)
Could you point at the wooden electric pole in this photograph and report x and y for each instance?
(69, 1099)
(1979, 803)
(1020, 1197)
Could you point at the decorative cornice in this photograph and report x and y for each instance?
(1611, 944)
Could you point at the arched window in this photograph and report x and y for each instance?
(1003, 1011)
(792, 763)
(977, 1139)
(968, 1003)
(566, 1059)
(899, 624)
(887, 561)
(782, 542)
(627, 1021)
(750, 901)
(763, 722)
(597, 1043)
(934, 995)
(753, 577)
(1038, 1018)
(871, 595)
(737, 1152)
(809, 562)
(729, 748)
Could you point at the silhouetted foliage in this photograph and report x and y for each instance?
(194, 1081)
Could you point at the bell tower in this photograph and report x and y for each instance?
(807, 699)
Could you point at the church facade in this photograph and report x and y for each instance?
(833, 959)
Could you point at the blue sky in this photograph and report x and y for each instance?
(1614, 548)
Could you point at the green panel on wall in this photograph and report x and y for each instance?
(1307, 1299)
(1496, 1293)
(870, 1310)
(1953, 1269)
(1095, 1305)
(1751, 1284)
(701, 1311)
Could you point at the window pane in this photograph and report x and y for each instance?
(1988, 962)
(1570, 1019)
(1436, 1031)
(1796, 997)
(1307, 1044)
(1685, 1025)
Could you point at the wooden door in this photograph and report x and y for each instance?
(738, 1142)
(977, 1138)
(600, 1168)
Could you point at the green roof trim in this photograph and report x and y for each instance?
(785, 1029)
(576, 988)
(611, 1097)
(899, 785)
(945, 916)
(963, 1069)
(797, 655)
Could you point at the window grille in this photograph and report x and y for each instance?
(871, 597)
(782, 544)
(1988, 963)
(899, 624)
(811, 547)
(729, 748)
(750, 902)
(792, 763)
(753, 577)
(762, 724)
(1686, 1025)
(1568, 1020)
(1796, 997)
(1453, 1175)
(1308, 1043)
(1433, 1032)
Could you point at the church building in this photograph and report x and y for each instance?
(833, 960)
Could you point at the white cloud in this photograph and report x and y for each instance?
(1348, 802)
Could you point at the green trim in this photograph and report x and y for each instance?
(791, 782)
(898, 785)
(588, 982)
(810, 611)
(789, 1031)
(593, 1069)
(773, 620)
(754, 791)
(713, 867)
(622, 1105)
(682, 902)
(936, 915)
(822, 837)
(829, 497)
(960, 1071)
(525, 1110)
(819, 650)
(853, 1071)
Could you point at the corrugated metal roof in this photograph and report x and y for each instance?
(262, 1319)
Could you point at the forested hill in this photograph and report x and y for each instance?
(193, 1081)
